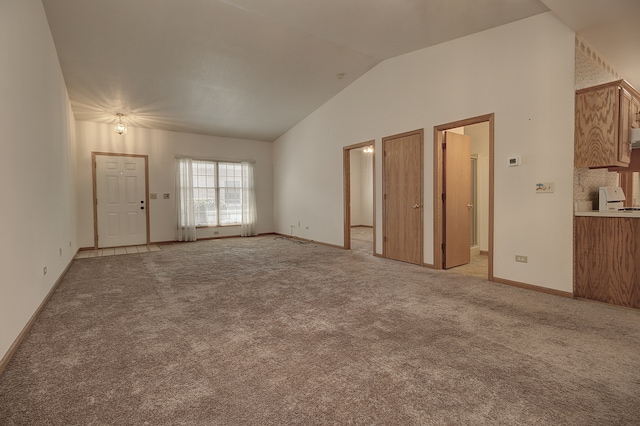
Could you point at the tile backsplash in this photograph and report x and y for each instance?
(587, 182)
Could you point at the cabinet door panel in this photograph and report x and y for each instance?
(624, 132)
(597, 114)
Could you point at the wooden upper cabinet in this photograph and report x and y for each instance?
(603, 124)
(624, 132)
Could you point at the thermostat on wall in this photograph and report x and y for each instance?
(514, 161)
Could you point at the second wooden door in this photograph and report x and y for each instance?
(457, 200)
(402, 197)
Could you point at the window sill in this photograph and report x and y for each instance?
(217, 226)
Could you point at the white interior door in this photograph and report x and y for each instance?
(121, 201)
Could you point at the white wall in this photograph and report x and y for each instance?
(36, 166)
(366, 189)
(479, 134)
(361, 174)
(355, 175)
(162, 147)
(523, 72)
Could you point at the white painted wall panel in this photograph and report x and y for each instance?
(36, 166)
(161, 147)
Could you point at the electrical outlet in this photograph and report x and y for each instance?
(298, 224)
(521, 259)
(306, 227)
(44, 271)
(60, 251)
(216, 232)
(165, 196)
(153, 196)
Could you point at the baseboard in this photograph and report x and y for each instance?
(533, 287)
(162, 243)
(16, 344)
(429, 265)
(484, 253)
(362, 226)
(304, 240)
(158, 243)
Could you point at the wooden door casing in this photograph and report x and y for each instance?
(438, 220)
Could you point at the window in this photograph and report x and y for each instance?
(217, 193)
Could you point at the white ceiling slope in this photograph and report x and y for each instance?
(611, 27)
(252, 69)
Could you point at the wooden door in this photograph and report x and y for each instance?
(402, 197)
(120, 200)
(456, 202)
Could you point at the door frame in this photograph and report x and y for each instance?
(438, 133)
(385, 140)
(95, 191)
(346, 164)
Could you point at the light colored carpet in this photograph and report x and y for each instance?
(477, 267)
(265, 331)
(362, 239)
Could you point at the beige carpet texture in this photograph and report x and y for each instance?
(265, 331)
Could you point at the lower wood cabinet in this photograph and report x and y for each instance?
(607, 259)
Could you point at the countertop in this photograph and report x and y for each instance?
(609, 214)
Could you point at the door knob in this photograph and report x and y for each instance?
(415, 206)
(470, 206)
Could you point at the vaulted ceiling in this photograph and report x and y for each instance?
(252, 69)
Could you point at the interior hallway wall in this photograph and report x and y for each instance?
(162, 147)
(361, 174)
(479, 134)
(523, 72)
(38, 222)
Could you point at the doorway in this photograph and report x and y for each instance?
(402, 199)
(359, 197)
(120, 199)
(481, 256)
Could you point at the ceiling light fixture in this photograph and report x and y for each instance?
(368, 150)
(121, 126)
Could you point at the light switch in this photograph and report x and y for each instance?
(153, 196)
(165, 196)
(544, 187)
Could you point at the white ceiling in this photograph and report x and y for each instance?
(252, 69)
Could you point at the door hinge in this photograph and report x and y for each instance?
(444, 145)
(444, 197)
(442, 246)
(385, 196)
(384, 239)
